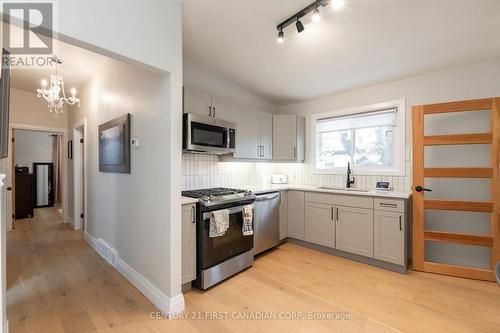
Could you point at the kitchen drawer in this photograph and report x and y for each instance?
(340, 199)
(389, 204)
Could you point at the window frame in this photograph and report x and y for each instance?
(399, 140)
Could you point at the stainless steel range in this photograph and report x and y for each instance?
(221, 257)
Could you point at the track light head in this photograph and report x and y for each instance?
(316, 17)
(300, 26)
(281, 36)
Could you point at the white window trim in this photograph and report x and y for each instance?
(399, 140)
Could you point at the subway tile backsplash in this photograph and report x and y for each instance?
(204, 171)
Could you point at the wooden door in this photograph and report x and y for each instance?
(456, 231)
(13, 180)
(354, 230)
(320, 226)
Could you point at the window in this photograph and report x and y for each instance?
(371, 139)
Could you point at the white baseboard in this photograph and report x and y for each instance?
(164, 303)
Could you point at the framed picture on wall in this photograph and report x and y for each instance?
(70, 149)
(114, 145)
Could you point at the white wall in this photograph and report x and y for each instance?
(478, 80)
(156, 44)
(198, 77)
(33, 147)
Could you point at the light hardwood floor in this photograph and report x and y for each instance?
(57, 283)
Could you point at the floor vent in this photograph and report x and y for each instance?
(107, 252)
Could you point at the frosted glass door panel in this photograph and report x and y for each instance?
(472, 223)
(458, 123)
(464, 189)
(473, 156)
(458, 254)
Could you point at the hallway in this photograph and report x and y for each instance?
(57, 283)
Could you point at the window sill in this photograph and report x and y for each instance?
(360, 172)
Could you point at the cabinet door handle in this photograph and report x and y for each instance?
(263, 151)
(210, 111)
(294, 152)
(400, 225)
(194, 214)
(332, 214)
(258, 151)
(214, 112)
(388, 205)
(337, 218)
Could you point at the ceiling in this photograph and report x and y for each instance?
(78, 66)
(365, 43)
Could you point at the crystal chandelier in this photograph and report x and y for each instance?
(55, 94)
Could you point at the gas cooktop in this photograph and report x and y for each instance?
(218, 195)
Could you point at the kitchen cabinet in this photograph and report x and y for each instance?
(354, 230)
(188, 247)
(284, 215)
(205, 104)
(389, 236)
(288, 138)
(320, 224)
(296, 214)
(253, 134)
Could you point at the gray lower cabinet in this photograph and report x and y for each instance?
(389, 237)
(320, 226)
(188, 239)
(296, 214)
(354, 230)
(283, 215)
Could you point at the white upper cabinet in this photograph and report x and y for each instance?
(254, 132)
(221, 109)
(204, 104)
(266, 135)
(288, 138)
(247, 133)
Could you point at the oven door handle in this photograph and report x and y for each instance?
(231, 210)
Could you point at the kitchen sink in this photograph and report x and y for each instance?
(334, 188)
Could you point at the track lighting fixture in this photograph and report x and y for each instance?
(300, 26)
(281, 36)
(316, 16)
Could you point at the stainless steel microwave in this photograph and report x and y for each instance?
(208, 135)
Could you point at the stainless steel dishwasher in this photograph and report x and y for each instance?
(267, 224)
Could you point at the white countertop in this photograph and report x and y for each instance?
(311, 188)
(187, 200)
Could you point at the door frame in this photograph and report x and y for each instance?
(9, 207)
(77, 172)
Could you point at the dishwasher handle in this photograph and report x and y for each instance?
(267, 197)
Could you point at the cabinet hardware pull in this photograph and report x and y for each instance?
(382, 204)
(210, 111)
(214, 112)
(263, 151)
(294, 152)
(400, 226)
(332, 215)
(337, 214)
(194, 214)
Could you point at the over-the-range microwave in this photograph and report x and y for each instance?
(208, 135)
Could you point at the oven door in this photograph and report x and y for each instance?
(232, 243)
(206, 134)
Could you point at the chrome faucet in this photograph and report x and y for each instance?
(349, 173)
